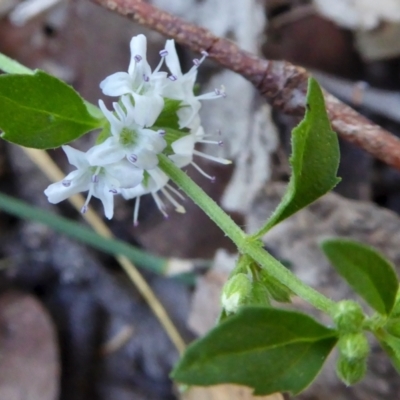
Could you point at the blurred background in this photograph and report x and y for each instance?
(72, 326)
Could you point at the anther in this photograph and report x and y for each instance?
(204, 53)
(172, 78)
(113, 191)
(145, 78)
(132, 158)
(95, 178)
(161, 132)
(66, 183)
(84, 209)
(163, 53)
(196, 62)
(220, 143)
(138, 58)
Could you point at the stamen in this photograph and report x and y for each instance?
(216, 159)
(178, 207)
(84, 209)
(118, 109)
(204, 53)
(160, 204)
(160, 63)
(161, 132)
(95, 178)
(136, 212)
(220, 92)
(138, 58)
(196, 62)
(113, 191)
(146, 78)
(172, 78)
(132, 158)
(173, 190)
(218, 142)
(212, 178)
(66, 183)
(163, 53)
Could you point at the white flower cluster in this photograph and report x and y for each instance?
(157, 112)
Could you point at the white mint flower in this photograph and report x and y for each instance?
(184, 151)
(155, 181)
(143, 84)
(129, 138)
(101, 182)
(181, 86)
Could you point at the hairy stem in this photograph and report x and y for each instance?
(245, 244)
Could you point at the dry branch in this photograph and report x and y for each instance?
(281, 83)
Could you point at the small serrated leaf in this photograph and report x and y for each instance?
(315, 160)
(268, 349)
(367, 271)
(41, 111)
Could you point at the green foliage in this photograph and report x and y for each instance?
(12, 67)
(259, 295)
(348, 316)
(391, 345)
(315, 160)
(267, 349)
(368, 272)
(168, 117)
(276, 290)
(41, 111)
(350, 371)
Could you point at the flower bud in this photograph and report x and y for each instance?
(353, 346)
(348, 316)
(351, 372)
(235, 292)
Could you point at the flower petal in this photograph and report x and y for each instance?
(125, 173)
(108, 152)
(172, 59)
(181, 160)
(116, 84)
(57, 192)
(146, 159)
(184, 145)
(76, 157)
(147, 108)
(102, 192)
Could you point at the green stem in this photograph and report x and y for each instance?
(245, 244)
(208, 205)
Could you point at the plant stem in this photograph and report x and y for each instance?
(245, 244)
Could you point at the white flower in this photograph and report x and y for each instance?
(181, 86)
(128, 138)
(145, 86)
(184, 151)
(155, 181)
(101, 182)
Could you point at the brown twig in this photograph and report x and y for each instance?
(281, 83)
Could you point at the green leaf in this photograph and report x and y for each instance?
(270, 350)
(315, 160)
(11, 66)
(368, 272)
(41, 111)
(391, 345)
(169, 117)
